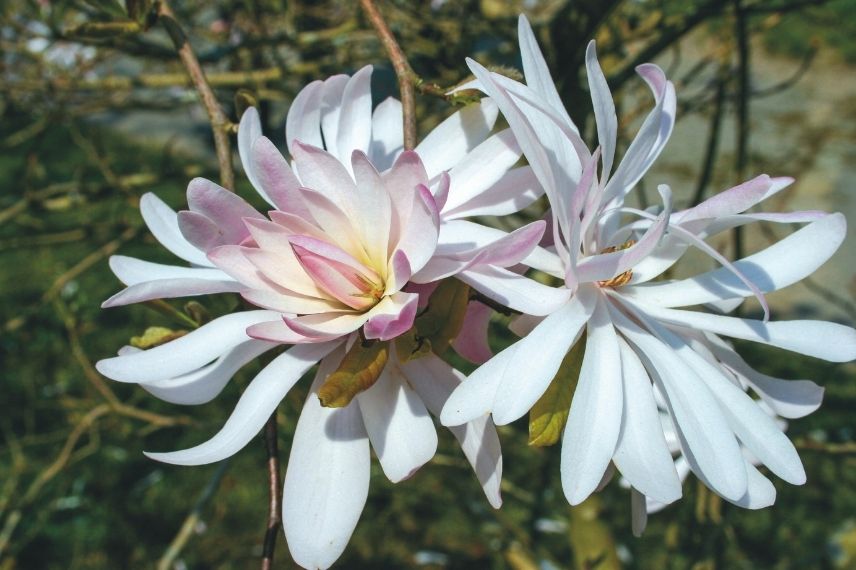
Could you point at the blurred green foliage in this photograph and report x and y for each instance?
(69, 189)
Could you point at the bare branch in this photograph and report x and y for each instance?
(402, 68)
(275, 490)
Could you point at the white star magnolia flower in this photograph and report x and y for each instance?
(356, 222)
(638, 346)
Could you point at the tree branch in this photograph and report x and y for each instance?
(220, 125)
(403, 71)
(275, 490)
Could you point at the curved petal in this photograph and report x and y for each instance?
(516, 189)
(401, 432)
(203, 385)
(387, 133)
(482, 168)
(250, 129)
(303, 122)
(444, 146)
(705, 436)
(472, 340)
(184, 354)
(641, 455)
(434, 380)
(594, 422)
(821, 339)
(275, 176)
(391, 317)
(327, 479)
(527, 367)
(162, 221)
(132, 271)
(604, 109)
(783, 263)
(170, 289)
(355, 118)
(515, 291)
(257, 403)
(199, 230)
(226, 209)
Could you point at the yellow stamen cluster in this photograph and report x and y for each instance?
(621, 278)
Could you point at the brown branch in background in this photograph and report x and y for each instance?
(403, 71)
(275, 490)
(220, 125)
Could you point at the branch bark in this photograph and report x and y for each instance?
(403, 71)
(220, 125)
(275, 490)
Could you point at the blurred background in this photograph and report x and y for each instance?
(96, 109)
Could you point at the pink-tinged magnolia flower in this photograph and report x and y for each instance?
(638, 346)
(359, 228)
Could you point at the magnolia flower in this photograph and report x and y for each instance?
(359, 228)
(638, 347)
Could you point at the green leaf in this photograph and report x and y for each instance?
(358, 372)
(155, 336)
(443, 318)
(548, 416)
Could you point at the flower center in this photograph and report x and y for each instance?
(621, 278)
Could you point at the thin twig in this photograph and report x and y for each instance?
(275, 490)
(402, 68)
(712, 146)
(220, 125)
(743, 91)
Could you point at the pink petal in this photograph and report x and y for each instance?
(224, 208)
(275, 176)
(391, 317)
(471, 342)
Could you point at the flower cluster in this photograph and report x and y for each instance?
(372, 263)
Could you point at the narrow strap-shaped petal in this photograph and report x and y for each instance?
(331, 108)
(249, 130)
(594, 421)
(482, 167)
(830, 341)
(527, 367)
(516, 189)
(327, 479)
(535, 69)
(171, 289)
(433, 379)
(203, 385)
(321, 171)
(401, 432)
(162, 221)
(779, 265)
(755, 428)
(515, 291)
(303, 122)
(184, 354)
(387, 133)
(200, 230)
(444, 146)
(641, 455)
(705, 437)
(257, 403)
(604, 109)
(355, 117)
(132, 271)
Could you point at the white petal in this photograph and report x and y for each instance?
(433, 379)
(327, 479)
(483, 167)
(604, 109)
(706, 438)
(399, 427)
(783, 263)
(387, 133)
(517, 189)
(527, 367)
(162, 221)
(536, 72)
(184, 354)
(760, 493)
(203, 385)
(642, 456)
(303, 122)
(254, 408)
(594, 421)
(515, 291)
(132, 271)
(250, 129)
(170, 289)
(821, 339)
(355, 118)
(452, 139)
(331, 108)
